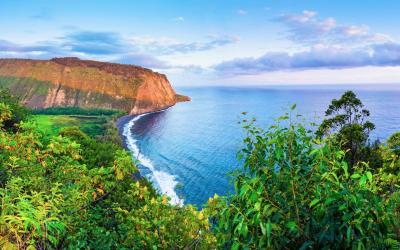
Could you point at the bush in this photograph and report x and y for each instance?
(78, 111)
(297, 192)
(72, 191)
(294, 191)
(18, 113)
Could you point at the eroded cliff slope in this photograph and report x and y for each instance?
(83, 83)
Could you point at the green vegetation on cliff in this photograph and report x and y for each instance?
(52, 124)
(26, 86)
(79, 111)
(73, 191)
(71, 82)
(296, 190)
(93, 122)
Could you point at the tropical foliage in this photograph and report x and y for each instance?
(18, 113)
(78, 111)
(73, 191)
(295, 190)
(348, 119)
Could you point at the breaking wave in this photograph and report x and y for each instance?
(163, 181)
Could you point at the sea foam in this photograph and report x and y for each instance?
(163, 181)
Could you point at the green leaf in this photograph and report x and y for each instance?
(345, 168)
(292, 226)
(348, 234)
(314, 151)
(235, 245)
(369, 176)
(257, 206)
(245, 230)
(269, 229)
(263, 229)
(363, 181)
(355, 176)
(30, 247)
(239, 227)
(313, 202)
(293, 107)
(329, 201)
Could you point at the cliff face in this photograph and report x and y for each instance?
(83, 83)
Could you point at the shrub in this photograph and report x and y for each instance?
(17, 114)
(296, 192)
(72, 191)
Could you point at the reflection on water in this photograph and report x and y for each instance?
(150, 123)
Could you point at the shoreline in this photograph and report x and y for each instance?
(121, 121)
(164, 182)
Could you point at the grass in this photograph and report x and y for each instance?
(52, 124)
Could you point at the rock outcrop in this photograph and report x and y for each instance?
(83, 83)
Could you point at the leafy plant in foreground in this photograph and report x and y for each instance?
(296, 192)
(72, 191)
(18, 113)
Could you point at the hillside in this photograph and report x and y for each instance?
(83, 83)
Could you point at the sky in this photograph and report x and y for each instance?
(215, 42)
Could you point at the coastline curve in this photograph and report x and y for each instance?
(164, 182)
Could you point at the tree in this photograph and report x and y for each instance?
(72, 191)
(19, 112)
(294, 192)
(393, 143)
(347, 118)
(389, 171)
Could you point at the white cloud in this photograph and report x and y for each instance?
(359, 75)
(318, 57)
(307, 28)
(166, 46)
(144, 60)
(149, 52)
(325, 44)
(179, 19)
(242, 12)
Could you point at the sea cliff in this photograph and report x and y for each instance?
(73, 82)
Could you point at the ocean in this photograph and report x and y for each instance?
(188, 150)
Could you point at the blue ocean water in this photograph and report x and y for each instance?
(189, 149)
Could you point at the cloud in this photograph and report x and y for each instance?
(325, 43)
(105, 43)
(14, 48)
(92, 43)
(307, 28)
(143, 60)
(242, 12)
(95, 43)
(152, 62)
(179, 19)
(77, 43)
(387, 54)
(110, 46)
(167, 46)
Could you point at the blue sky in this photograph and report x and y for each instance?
(216, 42)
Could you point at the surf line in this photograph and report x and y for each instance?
(164, 181)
